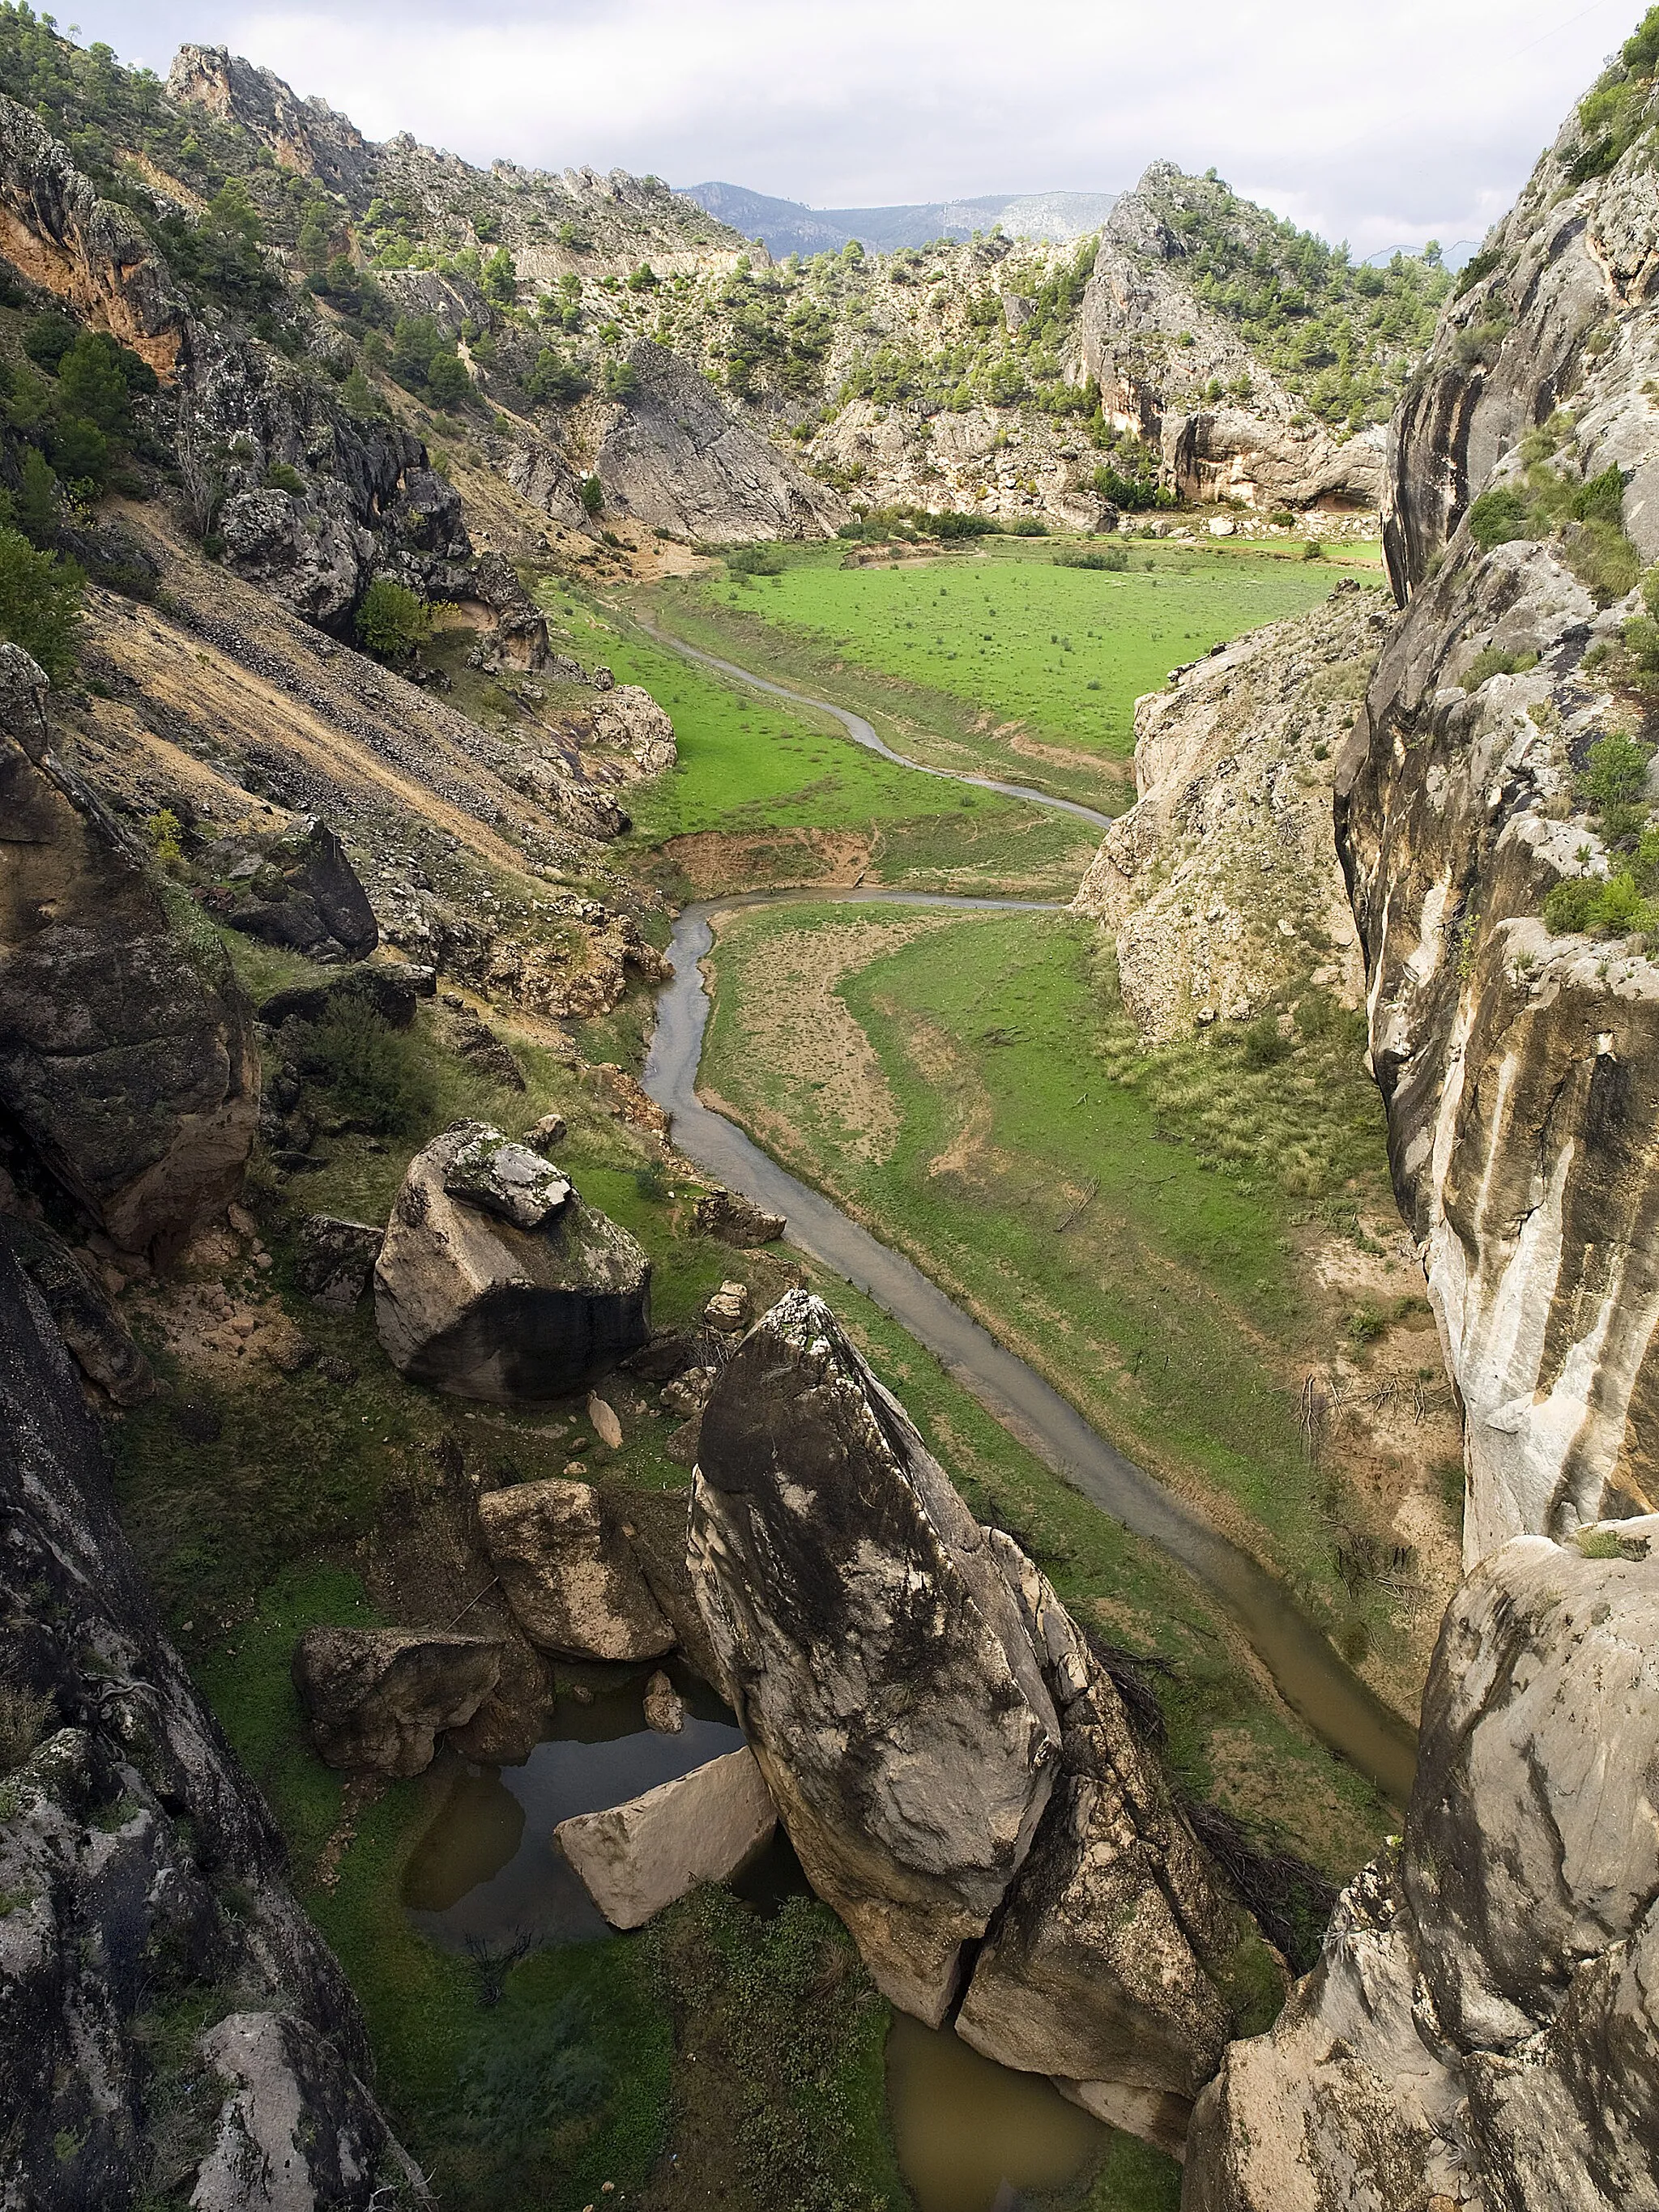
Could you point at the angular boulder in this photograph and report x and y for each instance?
(736, 1220)
(569, 1573)
(636, 1859)
(955, 1768)
(1480, 2026)
(380, 1698)
(509, 1181)
(337, 1259)
(469, 1303)
(126, 1046)
(871, 1650)
(307, 897)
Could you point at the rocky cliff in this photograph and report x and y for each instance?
(127, 1060)
(1514, 1057)
(1480, 2029)
(1187, 377)
(1220, 883)
(141, 1878)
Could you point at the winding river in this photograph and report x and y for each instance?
(1310, 1674)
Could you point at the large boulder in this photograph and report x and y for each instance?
(379, 1698)
(1481, 2026)
(143, 1873)
(470, 1302)
(307, 897)
(569, 1572)
(637, 1858)
(126, 1045)
(954, 1767)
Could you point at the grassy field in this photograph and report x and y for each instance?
(1134, 1225)
(1000, 660)
(764, 793)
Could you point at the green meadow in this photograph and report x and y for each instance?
(1003, 662)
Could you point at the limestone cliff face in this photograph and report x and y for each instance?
(305, 136)
(1480, 2028)
(1221, 881)
(1517, 1066)
(1138, 311)
(143, 1876)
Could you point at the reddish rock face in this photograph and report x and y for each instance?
(91, 253)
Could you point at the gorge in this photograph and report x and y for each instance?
(823, 1192)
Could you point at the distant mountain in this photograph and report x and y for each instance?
(792, 226)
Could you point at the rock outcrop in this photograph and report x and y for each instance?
(126, 1045)
(1515, 1063)
(378, 1698)
(141, 1871)
(336, 1260)
(638, 1859)
(1223, 875)
(1480, 2027)
(466, 1300)
(307, 897)
(1155, 353)
(954, 1768)
(673, 458)
(91, 253)
(304, 135)
(569, 1572)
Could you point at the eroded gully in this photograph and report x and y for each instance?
(1310, 1675)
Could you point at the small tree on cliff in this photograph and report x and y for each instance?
(393, 620)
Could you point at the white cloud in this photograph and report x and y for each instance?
(1385, 124)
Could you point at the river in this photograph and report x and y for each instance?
(1310, 1674)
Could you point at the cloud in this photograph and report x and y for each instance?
(1384, 124)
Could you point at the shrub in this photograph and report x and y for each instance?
(47, 338)
(1108, 556)
(555, 380)
(1615, 774)
(1594, 906)
(1313, 551)
(622, 381)
(1281, 518)
(23, 1718)
(35, 507)
(501, 278)
(40, 604)
(755, 561)
(279, 477)
(1027, 525)
(593, 496)
(952, 525)
(359, 398)
(447, 383)
(1491, 661)
(1498, 516)
(1263, 1043)
(392, 620)
(375, 1076)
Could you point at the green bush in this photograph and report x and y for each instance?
(1027, 525)
(555, 380)
(35, 507)
(1615, 774)
(392, 620)
(47, 338)
(1491, 661)
(755, 561)
(1594, 906)
(952, 525)
(1263, 1043)
(1107, 557)
(40, 604)
(375, 1075)
(359, 398)
(593, 496)
(279, 477)
(1499, 515)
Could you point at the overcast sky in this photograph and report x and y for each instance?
(1385, 122)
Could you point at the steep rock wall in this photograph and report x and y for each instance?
(1518, 1066)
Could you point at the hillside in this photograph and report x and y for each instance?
(786, 226)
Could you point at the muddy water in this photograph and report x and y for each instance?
(972, 2136)
(488, 1866)
(1310, 1674)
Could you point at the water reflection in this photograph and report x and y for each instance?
(488, 1866)
(971, 2135)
